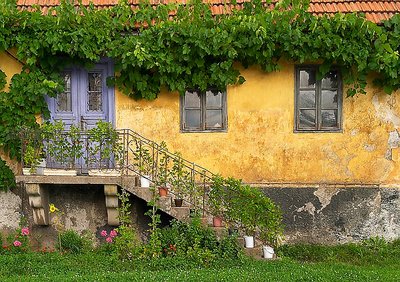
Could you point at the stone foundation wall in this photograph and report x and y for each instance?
(338, 215)
(82, 207)
(315, 215)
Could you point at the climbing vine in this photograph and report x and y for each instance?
(192, 49)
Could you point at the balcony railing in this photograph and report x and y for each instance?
(121, 152)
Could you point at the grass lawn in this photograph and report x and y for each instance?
(101, 267)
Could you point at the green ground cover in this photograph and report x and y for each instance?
(94, 266)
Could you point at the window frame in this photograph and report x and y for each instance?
(318, 94)
(203, 110)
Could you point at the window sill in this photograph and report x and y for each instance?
(318, 131)
(203, 131)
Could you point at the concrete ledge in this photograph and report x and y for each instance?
(81, 179)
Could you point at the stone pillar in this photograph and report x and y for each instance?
(39, 201)
(110, 191)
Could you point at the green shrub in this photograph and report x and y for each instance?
(72, 242)
(126, 244)
(247, 207)
(197, 243)
(7, 178)
(229, 247)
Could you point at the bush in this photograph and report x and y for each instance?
(126, 244)
(74, 243)
(7, 178)
(197, 244)
(247, 207)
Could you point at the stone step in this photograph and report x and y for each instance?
(180, 213)
(164, 203)
(256, 252)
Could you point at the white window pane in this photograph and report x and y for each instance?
(192, 99)
(213, 119)
(329, 99)
(307, 78)
(213, 99)
(95, 92)
(64, 99)
(306, 99)
(192, 119)
(329, 118)
(307, 119)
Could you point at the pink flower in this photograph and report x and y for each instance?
(103, 233)
(17, 243)
(25, 231)
(113, 233)
(109, 240)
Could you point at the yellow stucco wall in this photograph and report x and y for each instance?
(9, 65)
(260, 145)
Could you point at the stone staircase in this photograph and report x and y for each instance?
(198, 178)
(164, 203)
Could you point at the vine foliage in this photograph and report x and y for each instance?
(191, 50)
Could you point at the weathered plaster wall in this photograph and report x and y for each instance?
(260, 145)
(10, 210)
(82, 209)
(337, 215)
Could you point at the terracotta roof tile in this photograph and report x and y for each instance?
(375, 10)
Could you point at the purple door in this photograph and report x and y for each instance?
(86, 98)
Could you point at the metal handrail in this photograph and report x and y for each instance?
(194, 180)
(200, 177)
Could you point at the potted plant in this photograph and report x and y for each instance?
(249, 238)
(144, 163)
(270, 227)
(216, 204)
(250, 214)
(163, 171)
(33, 155)
(178, 178)
(34, 161)
(60, 151)
(105, 152)
(268, 239)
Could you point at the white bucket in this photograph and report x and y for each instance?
(249, 242)
(41, 166)
(268, 252)
(144, 181)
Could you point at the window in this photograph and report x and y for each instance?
(203, 111)
(318, 102)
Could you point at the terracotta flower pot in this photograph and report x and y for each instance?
(217, 221)
(178, 202)
(163, 191)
